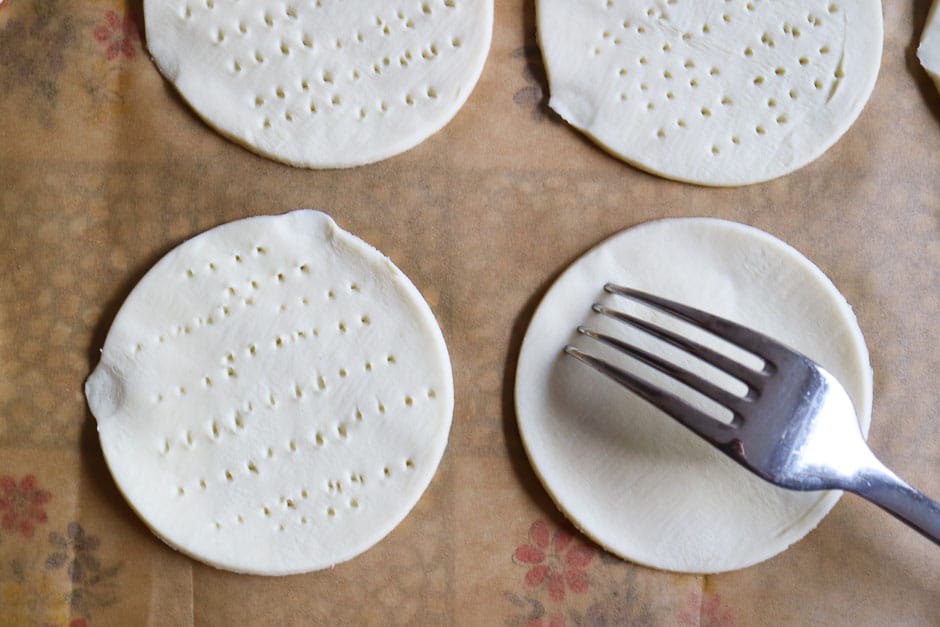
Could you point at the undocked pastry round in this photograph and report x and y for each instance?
(274, 396)
(711, 92)
(629, 476)
(322, 84)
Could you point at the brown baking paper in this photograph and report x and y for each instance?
(103, 169)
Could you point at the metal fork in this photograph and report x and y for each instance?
(794, 427)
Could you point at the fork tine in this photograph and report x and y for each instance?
(698, 422)
(748, 339)
(739, 371)
(692, 380)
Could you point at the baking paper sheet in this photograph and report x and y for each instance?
(103, 169)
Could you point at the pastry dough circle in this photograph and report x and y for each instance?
(711, 92)
(274, 396)
(628, 476)
(326, 84)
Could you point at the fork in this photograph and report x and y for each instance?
(794, 427)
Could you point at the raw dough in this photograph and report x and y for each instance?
(322, 84)
(929, 50)
(711, 92)
(274, 395)
(627, 475)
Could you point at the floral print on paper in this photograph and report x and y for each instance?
(116, 41)
(55, 52)
(704, 610)
(555, 560)
(31, 597)
(75, 552)
(565, 581)
(22, 505)
(117, 35)
(49, 575)
(33, 42)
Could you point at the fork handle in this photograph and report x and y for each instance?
(886, 490)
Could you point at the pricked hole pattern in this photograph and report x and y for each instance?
(252, 349)
(793, 38)
(302, 41)
(229, 362)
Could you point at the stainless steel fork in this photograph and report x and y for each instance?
(794, 427)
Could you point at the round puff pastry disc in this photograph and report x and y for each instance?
(322, 84)
(274, 396)
(627, 475)
(710, 91)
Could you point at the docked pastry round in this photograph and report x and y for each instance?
(274, 396)
(322, 84)
(627, 475)
(711, 92)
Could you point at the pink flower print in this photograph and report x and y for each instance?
(704, 610)
(556, 560)
(21, 504)
(118, 35)
(555, 620)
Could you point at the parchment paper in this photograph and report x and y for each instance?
(103, 169)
